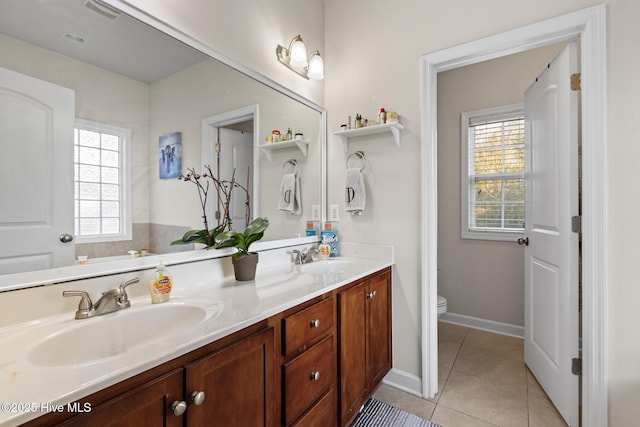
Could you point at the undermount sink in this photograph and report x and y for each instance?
(99, 338)
(328, 266)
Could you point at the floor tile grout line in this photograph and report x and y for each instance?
(464, 413)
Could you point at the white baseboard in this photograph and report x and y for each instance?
(483, 324)
(404, 381)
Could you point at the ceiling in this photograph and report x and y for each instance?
(120, 44)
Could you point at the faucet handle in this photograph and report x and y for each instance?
(297, 256)
(124, 298)
(85, 305)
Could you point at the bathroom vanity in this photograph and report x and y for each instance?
(302, 345)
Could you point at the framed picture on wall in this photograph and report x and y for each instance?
(170, 155)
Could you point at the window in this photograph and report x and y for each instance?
(101, 177)
(493, 173)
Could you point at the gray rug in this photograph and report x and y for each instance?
(378, 414)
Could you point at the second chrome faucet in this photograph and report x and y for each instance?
(110, 301)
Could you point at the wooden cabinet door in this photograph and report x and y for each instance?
(148, 405)
(238, 382)
(352, 350)
(378, 329)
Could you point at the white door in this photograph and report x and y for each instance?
(36, 173)
(236, 153)
(551, 257)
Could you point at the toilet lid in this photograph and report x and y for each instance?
(441, 301)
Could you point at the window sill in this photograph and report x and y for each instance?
(500, 236)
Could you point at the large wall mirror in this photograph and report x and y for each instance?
(173, 103)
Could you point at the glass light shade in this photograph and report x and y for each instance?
(316, 66)
(298, 54)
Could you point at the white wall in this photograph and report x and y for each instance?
(248, 32)
(479, 278)
(375, 46)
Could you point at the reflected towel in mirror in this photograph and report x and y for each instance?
(355, 197)
(290, 194)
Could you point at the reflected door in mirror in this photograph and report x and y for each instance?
(36, 171)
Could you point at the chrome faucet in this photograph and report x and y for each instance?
(297, 257)
(110, 301)
(303, 257)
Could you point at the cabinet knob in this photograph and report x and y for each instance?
(315, 376)
(372, 294)
(178, 408)
(315, 323)
(197, 397)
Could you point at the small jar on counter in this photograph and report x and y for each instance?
(275, 135)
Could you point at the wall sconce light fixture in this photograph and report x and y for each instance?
(295, 58)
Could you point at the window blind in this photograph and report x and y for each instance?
(496, 172)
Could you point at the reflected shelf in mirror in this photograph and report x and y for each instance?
(268, 148)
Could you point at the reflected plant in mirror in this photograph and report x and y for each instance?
(224, 192)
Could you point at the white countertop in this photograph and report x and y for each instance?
(34, 389)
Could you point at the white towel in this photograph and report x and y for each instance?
(290, 194)
(355, 197)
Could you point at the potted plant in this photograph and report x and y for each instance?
(244, 262)
(223, 235)
(224, 190)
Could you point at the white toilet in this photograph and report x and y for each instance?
(442, 305)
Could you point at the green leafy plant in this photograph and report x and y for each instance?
(224, 190)
(242, 241)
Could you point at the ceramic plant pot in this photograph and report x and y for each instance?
(245, 268)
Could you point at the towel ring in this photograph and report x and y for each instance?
(360, 155)
(291, 163)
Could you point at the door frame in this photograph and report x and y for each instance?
(590, 26)
(210, 127)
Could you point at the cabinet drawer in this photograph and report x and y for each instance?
(307, 377)
(304, 328)
(323, 414)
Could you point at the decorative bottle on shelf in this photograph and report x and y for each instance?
(382, 116)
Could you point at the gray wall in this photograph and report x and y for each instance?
(479, 278)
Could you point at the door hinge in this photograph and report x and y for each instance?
(576, 223)
(576, 366)
(575, 82)
(217, 147)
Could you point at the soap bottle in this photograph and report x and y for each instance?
(310, 230)
(330, 238)
(160, 284)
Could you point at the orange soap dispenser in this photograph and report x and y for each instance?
(160, 284)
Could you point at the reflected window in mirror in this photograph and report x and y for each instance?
(101, 179)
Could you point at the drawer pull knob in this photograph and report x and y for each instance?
(315, 323)
(315, 376)
(197, 397)
(178, 408)
(372, 294)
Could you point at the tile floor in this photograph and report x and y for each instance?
(483, 382)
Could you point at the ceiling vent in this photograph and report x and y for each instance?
(102, 8)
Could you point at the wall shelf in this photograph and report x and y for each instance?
(269, 148)
(394, 128)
